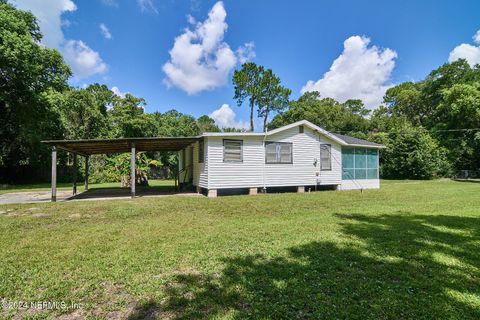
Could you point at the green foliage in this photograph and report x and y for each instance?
(263, 90)
(274, 97)
(27, 70)
(247, 84)
(207, 124)
(118, 166)
(446, 103)
(422, 122)
(128, 118)
(327, 113)
(175, 124)
(411, 153)
(83, 112)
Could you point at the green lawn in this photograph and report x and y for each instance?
(68, 186)
(410, 250)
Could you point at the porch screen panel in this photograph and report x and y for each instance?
(372, 164)
(348, 163)
(359, 163)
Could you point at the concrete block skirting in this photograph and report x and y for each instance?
(253, 191)
(212, 193)
(301, 189)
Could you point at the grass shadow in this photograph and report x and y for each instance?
(390, 266)
(467, 180)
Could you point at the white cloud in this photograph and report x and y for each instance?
(360, 72)
(225, 118)
(191, 19)
(117, 91)
(49, 15)
(105, 32)
(147, 6)
(200, 59)
(246, 52)
(110, 3)
(476, 37)
(469, 52)
(84, 61)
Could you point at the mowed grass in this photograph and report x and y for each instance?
(410, 250)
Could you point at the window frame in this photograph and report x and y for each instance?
(330, 158)
(241, 150)
(277, 154)
(201, 151)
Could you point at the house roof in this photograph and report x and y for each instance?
(356, 141)
(339, 138)
(105, 146)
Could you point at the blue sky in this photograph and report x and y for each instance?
(344, 49)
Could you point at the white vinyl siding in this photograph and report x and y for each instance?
(253, 171)
(200, 169)
(359, 184)
(243, 174)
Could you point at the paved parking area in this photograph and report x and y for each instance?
(94, 194)
(32, 197)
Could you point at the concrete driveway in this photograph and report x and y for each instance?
(93, 194)
(31, 197)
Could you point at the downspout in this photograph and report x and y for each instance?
(264, 190)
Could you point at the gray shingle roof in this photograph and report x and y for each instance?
(356, 141)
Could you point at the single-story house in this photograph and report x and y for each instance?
(300, 155)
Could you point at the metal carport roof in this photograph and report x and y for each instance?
(88, 147)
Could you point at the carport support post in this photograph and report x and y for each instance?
(132, 171)
(86, 173)
(54, 174)
(74, 174)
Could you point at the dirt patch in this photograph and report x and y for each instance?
(190, 272)
(40, 215)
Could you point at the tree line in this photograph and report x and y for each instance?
(430, 127)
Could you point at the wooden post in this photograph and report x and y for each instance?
(86, 173)
(132, 171)
(74, 191)
(54, 174)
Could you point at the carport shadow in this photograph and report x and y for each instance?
(97, 193)
(388, 266)
(467, 180)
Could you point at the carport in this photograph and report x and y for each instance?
(86, 148)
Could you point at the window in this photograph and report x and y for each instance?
(325, 157)
(201, 151)
(278, 152)
(301, 129)
(359, 163)
(232, 151)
